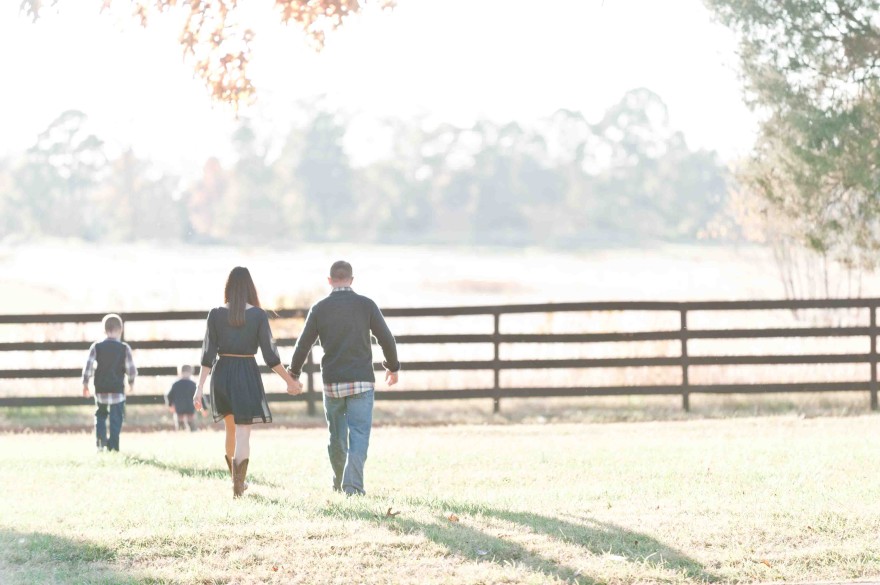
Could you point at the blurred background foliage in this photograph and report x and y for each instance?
(563, 181)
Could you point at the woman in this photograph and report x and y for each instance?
(233, 334)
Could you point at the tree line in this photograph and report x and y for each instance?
(563, 181)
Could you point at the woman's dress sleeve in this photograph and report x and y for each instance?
(267, 343)
(209, 345)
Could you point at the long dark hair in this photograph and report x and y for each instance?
(240, 291)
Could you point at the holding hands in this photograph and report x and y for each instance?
(294, 387)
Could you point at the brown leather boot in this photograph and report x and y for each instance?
(239, 474)
(229, 466)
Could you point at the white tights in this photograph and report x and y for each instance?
(242, 442)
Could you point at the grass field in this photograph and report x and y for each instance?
(763, 499)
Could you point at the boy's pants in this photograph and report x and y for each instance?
(349, 421)
(187, 421)
(117, 413)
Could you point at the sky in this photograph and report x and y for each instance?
(452, 60)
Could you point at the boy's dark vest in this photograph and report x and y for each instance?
(110, 373)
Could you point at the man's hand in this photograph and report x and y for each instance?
(390, 377)
(131, 388)
(85, 391)
(197, 399)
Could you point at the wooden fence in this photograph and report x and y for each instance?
(682, 334)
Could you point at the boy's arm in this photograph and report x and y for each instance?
(304, 344)
(89, 369)
(130, 367)
(386, 340)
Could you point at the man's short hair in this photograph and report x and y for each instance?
(341, 270)
(112, 322)
(186, 369)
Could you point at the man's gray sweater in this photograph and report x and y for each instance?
(343, 322)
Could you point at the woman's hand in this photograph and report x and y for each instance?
(294, 387)
(197, 399)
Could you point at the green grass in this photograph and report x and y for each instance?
(765, 499)
(601, 409)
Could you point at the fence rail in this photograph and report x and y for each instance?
(683, 334)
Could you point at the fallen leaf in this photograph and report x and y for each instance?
(390, 514)
(274, 568)
(765, 562)
(453, 518)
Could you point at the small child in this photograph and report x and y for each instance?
(109, 361)
(180, 399)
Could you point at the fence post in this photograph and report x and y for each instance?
(310, 392)
(496, 388)
(685, 395)
(873, 331)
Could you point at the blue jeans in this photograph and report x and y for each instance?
(349, 421)
(117, 413)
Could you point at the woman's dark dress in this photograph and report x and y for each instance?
(236, 384)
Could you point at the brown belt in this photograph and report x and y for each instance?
(238, 355)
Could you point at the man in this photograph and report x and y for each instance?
(343, 322)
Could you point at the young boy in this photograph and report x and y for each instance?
(109, 361)
(180, 399)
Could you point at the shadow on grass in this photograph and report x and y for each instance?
(593, 536)
(37, 557)
(188, 471)
(607, 538)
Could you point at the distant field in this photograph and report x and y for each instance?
(750, 500)
(53, 276)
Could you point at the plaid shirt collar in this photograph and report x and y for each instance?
(341, 289)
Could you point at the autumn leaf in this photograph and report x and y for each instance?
(453, 518)
(390, 514)
(212, 28)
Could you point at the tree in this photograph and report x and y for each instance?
(216, 38)
(812, 70)
(252, 210)
(662, 188)
(59, 174)
(10, 202)
(325, 177)
(137, 202)
(204, 201)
